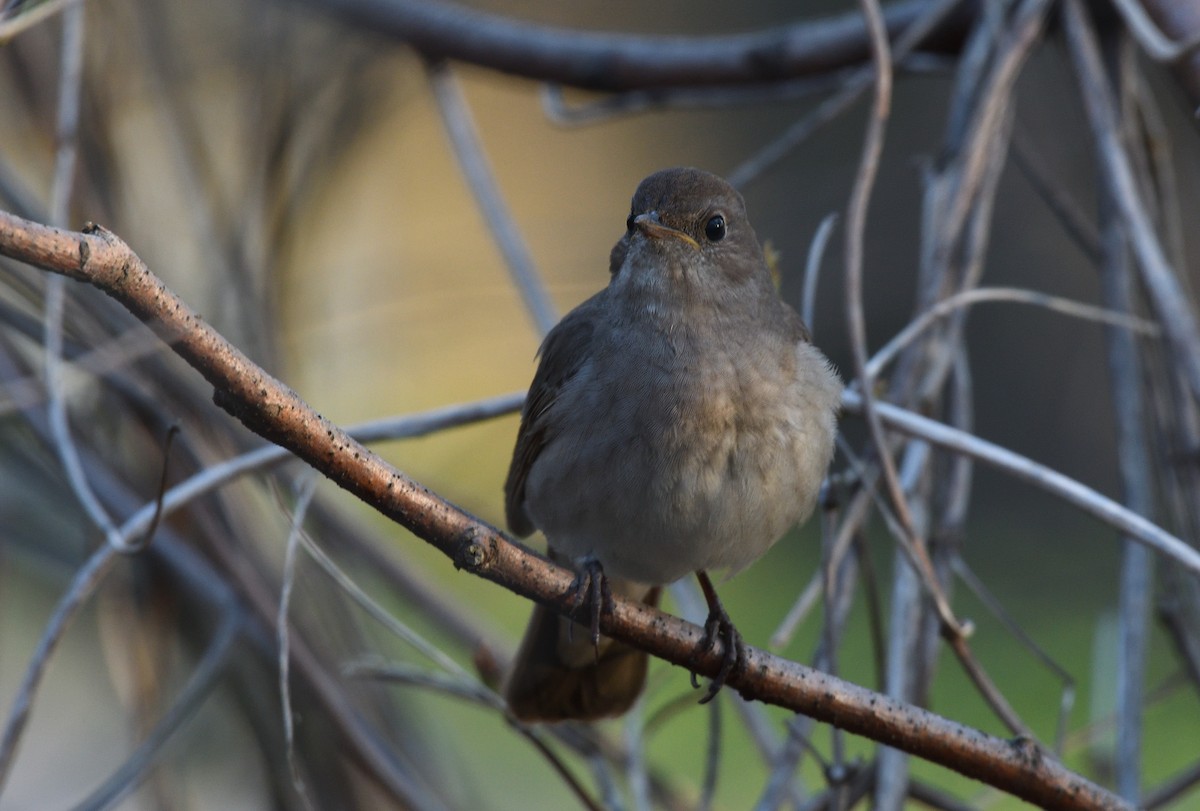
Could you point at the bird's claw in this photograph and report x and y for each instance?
(733, 652)
(718, 626)
(590, 587)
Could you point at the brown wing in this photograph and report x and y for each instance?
(562, 354)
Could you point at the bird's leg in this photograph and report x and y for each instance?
(590, 587)
(718, 626)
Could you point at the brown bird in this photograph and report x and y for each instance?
(680, 421)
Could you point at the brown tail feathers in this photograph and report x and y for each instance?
(557, 675)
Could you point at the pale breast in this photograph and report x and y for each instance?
(684, 466)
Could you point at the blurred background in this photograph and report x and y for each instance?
(289, 174)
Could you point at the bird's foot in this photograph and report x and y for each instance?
(590, 588)
(718, 626)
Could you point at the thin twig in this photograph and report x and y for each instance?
(388, 428)
(856, 214)
(37, 13)
(1157, 274)
(82, 586)
(712, 758)
(1133, 462)
(1065, 208)
(1150, 36)
(200, 684)
(633, 733)
(148, 536)
(282, 625)
(469, 689)
(997, 609)
(812, 270)
(1027, 470)
(460, 128)
(70, 82)
(1016, 295)
(377, 612)
(840, 102)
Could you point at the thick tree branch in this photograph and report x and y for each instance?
(610, 61)
(273, 410)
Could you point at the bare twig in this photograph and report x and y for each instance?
(1157, 274)
(282, 632)
(404, 427)
(812, 270)
(1133, 459)
(464, 687)
(853, 87)
(82, 586)
(712, 757)
(1021, 467)
(978, 295)
(1078, 226)
(39, 12)
(989, 600)
(70, 81)
(1150, 36)
(201, 683)
(633, 733)
(460, 127)
(856, 212)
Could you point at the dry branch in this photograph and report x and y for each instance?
(274, 411)
(602, 61)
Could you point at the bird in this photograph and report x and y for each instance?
(680, 421)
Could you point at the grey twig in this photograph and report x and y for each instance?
(39, 12)
(464, 687)
(856, 213)
(968, 298)
(66, 158)
(853, 87)
(712, 757)
(460, 128)
(1068, 211)
(1150, 36)
(1023, 468)
(993, 604)
(403, 427)
(1159, 277)
(82, 586)
(812, 270)
(202, 681)
(1134, 465)
(282, 632)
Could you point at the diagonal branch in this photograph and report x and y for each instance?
(276, 412)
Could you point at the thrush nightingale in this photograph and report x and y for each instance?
(680, 421)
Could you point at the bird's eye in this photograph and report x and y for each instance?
(714, 229)
(629, 223)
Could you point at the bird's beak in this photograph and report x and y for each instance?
(651, 226)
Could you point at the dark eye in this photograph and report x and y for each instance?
(629, 223)
(714, 229)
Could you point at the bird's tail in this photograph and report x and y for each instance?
(558, 675)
